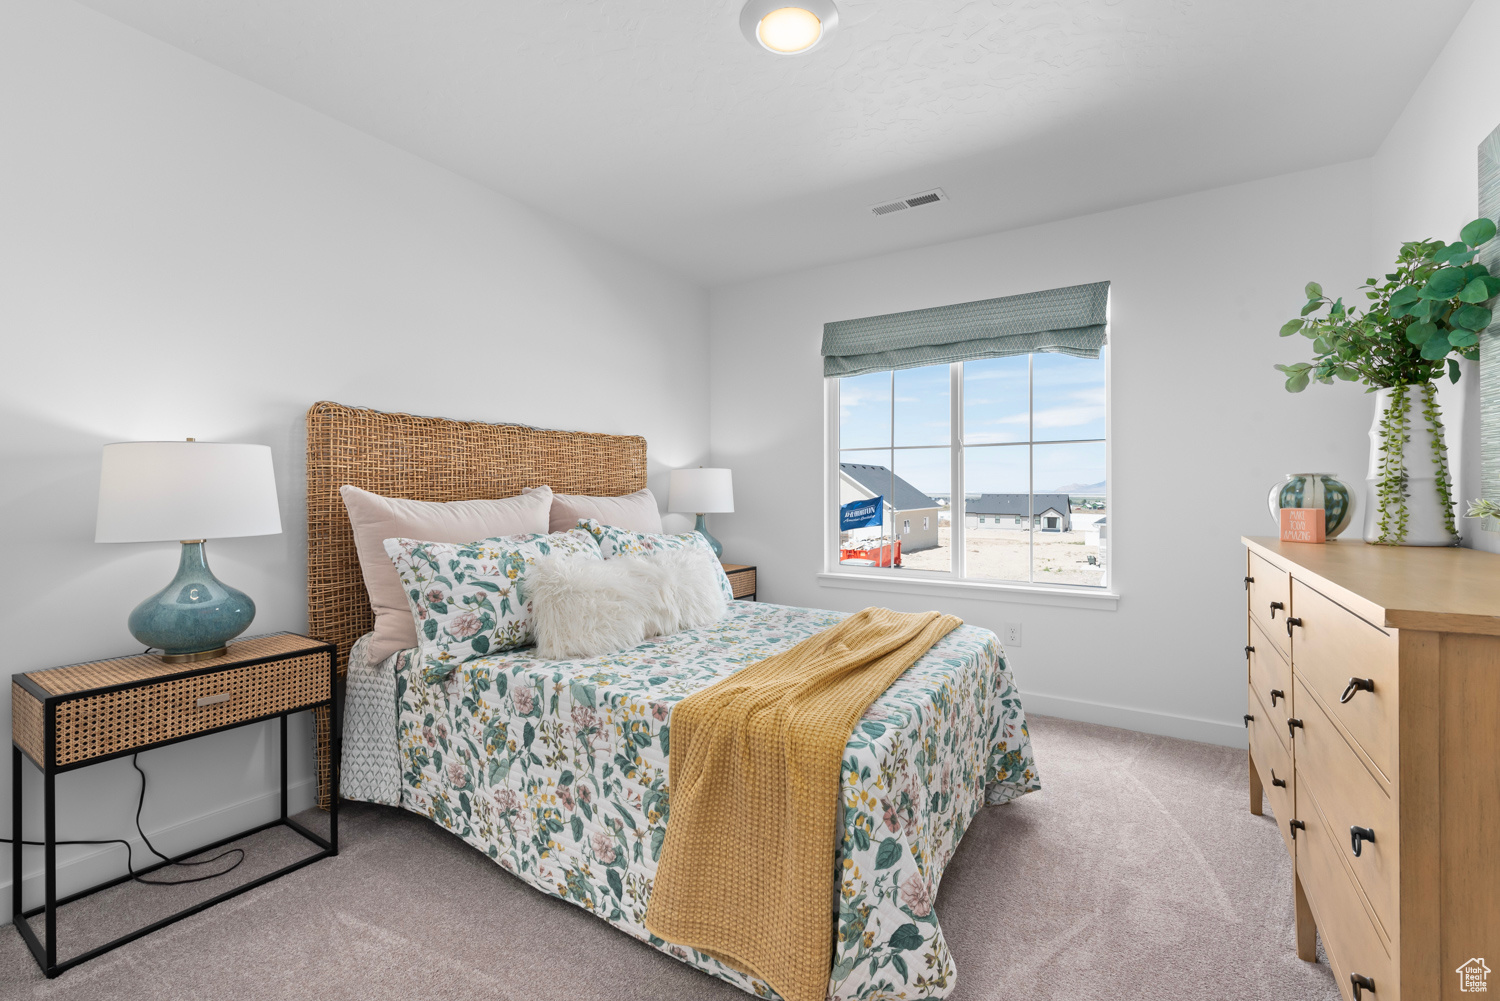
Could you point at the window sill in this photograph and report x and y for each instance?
(1021, 594)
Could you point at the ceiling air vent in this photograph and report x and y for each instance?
(909, 202)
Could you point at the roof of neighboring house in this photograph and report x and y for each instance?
(878, 480)
(1015, 504)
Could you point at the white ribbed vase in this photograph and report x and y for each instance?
(1425, 525)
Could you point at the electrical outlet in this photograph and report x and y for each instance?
(1013, 634)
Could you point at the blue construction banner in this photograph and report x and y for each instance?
(860, 514)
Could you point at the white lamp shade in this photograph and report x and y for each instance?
(160, 491)
(701, 491)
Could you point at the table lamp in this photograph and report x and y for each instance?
(702, 491)
(189, 491)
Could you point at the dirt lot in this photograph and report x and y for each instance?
(1061, 557)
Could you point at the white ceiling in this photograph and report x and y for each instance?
(654, 124)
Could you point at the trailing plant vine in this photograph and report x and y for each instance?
(1425, 317)
(1395, 432)
(1439, 455)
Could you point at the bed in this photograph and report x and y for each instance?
(558, 769)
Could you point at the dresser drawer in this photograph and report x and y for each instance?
(1333, 648)
(1343, 916)
(146, 714)
(1274, 764)
(1349, 796)
(1270, 597)
(1271, 678)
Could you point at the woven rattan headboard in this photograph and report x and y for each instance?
(428, 458)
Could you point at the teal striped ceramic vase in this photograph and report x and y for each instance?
(1314, 490)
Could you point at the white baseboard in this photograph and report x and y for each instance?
(87, 866)
(1208, 731)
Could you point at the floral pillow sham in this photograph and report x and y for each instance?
(620, 542)
(470, 600)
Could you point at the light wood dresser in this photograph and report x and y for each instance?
(1374, 725)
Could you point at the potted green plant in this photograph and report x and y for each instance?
(1425, 316)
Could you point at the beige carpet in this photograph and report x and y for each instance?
(1136, 873)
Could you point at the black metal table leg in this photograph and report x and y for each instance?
(283, 766)
(49, 861)
(15, 829)
(335, 752)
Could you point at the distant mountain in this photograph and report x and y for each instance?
(1079, 488)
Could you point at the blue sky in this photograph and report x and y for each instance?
(1068, 404)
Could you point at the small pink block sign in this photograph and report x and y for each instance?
(1303, 524)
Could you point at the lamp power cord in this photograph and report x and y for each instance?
(130, 852)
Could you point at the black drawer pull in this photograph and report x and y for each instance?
(1357, 685)
(1357, 837)
(1248, 720)
(1292, 723)
(1290, 622)
(1275, 605)
(1277, 782)
(1248, 582)
(1361, 983)
(1276, 693)
(1295, 826)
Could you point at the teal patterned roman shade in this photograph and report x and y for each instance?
(1066, 321)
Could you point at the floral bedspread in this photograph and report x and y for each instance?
(558, 771)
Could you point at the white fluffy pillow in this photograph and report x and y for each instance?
(585, 608)
(690, 595)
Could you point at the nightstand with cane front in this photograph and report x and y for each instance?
(70, 717)
(741, 580)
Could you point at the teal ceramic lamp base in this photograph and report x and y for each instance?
(195, 616)
(702, 529)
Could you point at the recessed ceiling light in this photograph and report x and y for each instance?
(788, 27)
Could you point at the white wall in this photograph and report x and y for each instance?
(1200, 422)
(1426, 185)
(184, 253)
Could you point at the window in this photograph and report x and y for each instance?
(925, 525)
(1013, 441)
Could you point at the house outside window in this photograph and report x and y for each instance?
(1012, 449)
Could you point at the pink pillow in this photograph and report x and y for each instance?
(376, 518)
(635, 512)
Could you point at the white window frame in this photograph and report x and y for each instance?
(901, 580)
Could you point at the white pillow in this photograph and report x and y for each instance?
(585, 608)
(685, 587)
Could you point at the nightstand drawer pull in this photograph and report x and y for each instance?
(213, 700)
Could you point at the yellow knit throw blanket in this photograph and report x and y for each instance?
(747, 869)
